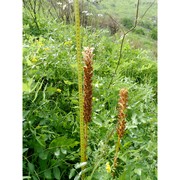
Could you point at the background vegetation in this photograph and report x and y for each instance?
(50, 91)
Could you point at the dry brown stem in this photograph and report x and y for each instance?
(121, 120)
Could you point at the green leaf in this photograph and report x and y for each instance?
(47, 174)
(97, 121)
(64, 151)
(25, 149)
(36, 93)
(40, 140)
(26, 177)
(43, 164)
(138, 171)
(25, 113)
(79, 165)
(134, 119)
(26, 87)
(72, 173)
(51, 90)
(68, 82)
(31, 167)
(43, 155)
(57, 152)
(77, 177)
(35, 178)
(56, 173)
(62, 142)
(29, 63)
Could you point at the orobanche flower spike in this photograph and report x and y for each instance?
(122, 106)
(88, 73)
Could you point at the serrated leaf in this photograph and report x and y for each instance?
(56, 173)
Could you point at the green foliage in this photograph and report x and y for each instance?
(50, 106)
(139, 31)
(127, 22)
(154, 34)
(146, 24)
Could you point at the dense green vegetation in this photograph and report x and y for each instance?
(51, 140)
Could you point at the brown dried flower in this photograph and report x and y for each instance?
(122, 107)
(88, 73)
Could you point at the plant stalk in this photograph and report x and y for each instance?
(78, 57)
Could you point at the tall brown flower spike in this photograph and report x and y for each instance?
(121, 120)
(88, 73)
(122, 107)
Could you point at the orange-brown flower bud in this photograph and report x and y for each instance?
(122, 107)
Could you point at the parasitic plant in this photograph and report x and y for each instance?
(122, 106)
(88, 73)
